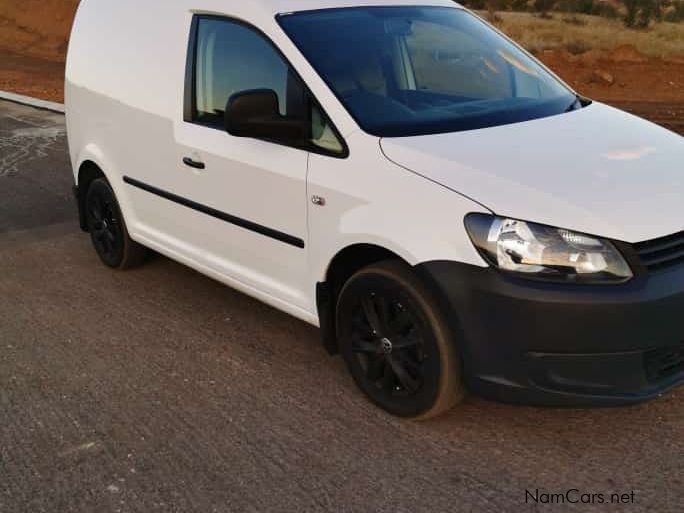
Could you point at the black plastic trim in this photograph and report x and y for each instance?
(237, 221)
(193, 163)
(190, 97)
(79, 204)
(325, 302)
(561, 344)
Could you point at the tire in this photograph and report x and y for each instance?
(397, 345)
(108, 230)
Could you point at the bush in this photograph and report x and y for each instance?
(497, 5)
(592, 7)
(577, 47)
(676, 14)
(640, 13)
(478, 5)
(544, 6)
(584, 6)
(520, 5)
(606, 10)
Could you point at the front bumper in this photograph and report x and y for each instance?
(562, 344)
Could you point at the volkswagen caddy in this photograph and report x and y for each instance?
(397, 172)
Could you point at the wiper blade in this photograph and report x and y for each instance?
(579, 103)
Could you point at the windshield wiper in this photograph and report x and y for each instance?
(579, 103)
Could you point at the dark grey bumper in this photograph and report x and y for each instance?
(561, 344)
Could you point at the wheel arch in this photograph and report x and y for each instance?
(88, 172)
(343, 266)
(91, 163)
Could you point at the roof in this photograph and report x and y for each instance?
(286, 6)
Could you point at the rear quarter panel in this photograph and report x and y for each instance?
(124, 87)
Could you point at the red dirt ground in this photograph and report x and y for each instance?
(651, 88)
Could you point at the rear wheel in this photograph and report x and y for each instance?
(108, 229)
(399, 349)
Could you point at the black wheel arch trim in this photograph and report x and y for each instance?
(326, 303)
(327, 295)
(223, 216)
(83, 224)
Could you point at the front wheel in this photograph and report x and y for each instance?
(399, 349)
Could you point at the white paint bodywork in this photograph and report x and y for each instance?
(597, 170)
(124, 100)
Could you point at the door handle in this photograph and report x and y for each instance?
(193, 163)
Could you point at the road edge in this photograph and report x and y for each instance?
(32, 102)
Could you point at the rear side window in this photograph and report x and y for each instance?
(231, 57)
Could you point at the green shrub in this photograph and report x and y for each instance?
(497, 5)
(585, 6)
(606, 10)
(640, 13)
(520, 5)
(544, 6)
(478, 5)
(676, 14)
(591, 7)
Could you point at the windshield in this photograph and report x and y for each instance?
(404, 71)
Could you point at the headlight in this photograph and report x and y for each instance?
(545, 252)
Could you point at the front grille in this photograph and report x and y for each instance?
(661, 364)
(658, 254)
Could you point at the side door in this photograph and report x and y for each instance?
(244, 200)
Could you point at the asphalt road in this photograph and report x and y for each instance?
(161, 390)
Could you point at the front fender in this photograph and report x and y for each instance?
(371, 200)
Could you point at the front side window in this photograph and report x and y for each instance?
(231, 58)
(404, 71)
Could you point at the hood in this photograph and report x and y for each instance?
(597, 170)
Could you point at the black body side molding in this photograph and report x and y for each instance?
(228, 218)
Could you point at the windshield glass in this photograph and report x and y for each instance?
(404, 71)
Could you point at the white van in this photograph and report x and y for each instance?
(397, 172)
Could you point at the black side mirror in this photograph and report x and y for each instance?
(256, 114)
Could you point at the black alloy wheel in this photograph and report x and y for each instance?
(108, 229)
(397, 348)
(389, 345)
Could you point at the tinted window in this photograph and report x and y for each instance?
(231, 57)
(420, 70)
(323, 135)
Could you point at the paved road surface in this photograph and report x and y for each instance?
(161, 390)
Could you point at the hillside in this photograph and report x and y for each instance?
(36, 28)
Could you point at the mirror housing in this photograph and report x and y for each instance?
(256, 114)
